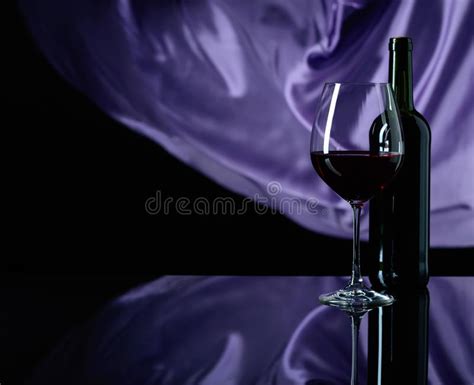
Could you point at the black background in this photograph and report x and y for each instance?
(76, 232)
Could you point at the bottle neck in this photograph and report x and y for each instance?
(401, 78)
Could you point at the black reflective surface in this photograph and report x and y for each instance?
(262, 330)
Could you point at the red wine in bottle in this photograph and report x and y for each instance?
(399, 215)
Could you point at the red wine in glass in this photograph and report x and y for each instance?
(356, 175)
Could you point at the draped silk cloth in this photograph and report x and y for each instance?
(246, 330)
(230, 87)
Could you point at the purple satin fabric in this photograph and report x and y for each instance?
(230, 87)
(245, 330)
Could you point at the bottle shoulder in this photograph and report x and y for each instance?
(421, 119)
(415, 118)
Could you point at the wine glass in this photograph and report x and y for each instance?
(357, 149)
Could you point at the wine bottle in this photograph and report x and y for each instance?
(398, 341)
(399, 214)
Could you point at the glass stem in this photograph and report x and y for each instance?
(355, 349)
(356, 277)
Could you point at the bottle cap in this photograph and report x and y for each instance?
(400, 43)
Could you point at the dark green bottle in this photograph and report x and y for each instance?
(400, 215)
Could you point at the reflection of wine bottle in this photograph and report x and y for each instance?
(398, 341)
(399, 215)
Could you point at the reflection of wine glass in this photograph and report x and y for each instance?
(357, 149)
(356, 315)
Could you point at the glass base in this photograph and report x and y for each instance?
(356, 297)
